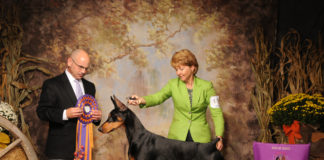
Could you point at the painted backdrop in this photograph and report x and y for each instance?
(131, 43)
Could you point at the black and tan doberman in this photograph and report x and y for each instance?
(144, 145)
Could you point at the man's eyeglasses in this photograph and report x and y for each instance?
(81, 67)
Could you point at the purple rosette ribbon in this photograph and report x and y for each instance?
(84, 132)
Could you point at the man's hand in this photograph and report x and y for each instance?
(96, 115)
(73, 112)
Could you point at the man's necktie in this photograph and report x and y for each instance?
(78, 90)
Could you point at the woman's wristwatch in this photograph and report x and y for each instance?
(220, 138)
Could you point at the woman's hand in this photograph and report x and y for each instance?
(136, 100)
(219, 144)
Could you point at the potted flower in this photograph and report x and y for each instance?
(295, 109)
(288, 113)
(301, 107)
(7, 112)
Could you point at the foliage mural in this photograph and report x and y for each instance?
(110, 29)
(131, 43)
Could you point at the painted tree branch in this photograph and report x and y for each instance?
(130, 49)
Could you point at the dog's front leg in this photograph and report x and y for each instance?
(130, 156)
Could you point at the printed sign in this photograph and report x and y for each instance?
(273, 151)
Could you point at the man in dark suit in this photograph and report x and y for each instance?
(57, 106)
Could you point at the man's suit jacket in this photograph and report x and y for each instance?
(57, 95)
(186, 118)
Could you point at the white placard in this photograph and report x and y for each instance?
(214, 102)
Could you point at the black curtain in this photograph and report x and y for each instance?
(306, 16)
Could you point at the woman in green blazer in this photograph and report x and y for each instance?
(191, 96)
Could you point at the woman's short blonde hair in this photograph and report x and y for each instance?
(184, 57)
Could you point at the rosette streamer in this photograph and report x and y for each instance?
(84, 132)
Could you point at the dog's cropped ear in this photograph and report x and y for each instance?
(112, 99)
(121, 106)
